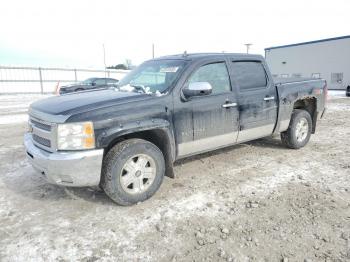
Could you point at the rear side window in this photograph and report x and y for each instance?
(249, 74)
(215, 74)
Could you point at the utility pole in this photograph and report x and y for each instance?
(248, 47)
(152, 50)
(104, 58)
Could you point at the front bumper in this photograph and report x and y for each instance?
(76, 169)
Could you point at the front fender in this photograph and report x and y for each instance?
(108, 135)
(159, 129)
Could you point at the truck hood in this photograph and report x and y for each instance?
(84, 101)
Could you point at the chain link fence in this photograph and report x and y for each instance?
(45, 80)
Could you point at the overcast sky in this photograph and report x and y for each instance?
(71, 33)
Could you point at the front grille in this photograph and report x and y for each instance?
(41, 140)
(40, 125)
(43, 133)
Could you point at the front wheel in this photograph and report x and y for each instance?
(132, 171)
(299, 130)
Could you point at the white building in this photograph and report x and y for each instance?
(326, 58)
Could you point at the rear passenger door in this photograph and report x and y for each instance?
(257, 99)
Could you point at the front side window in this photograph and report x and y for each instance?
(249, 74)
(215, 74)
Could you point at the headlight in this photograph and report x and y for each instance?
(75, 136)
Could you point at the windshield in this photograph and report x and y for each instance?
(152, 77)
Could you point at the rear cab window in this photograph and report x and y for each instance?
(249, 75)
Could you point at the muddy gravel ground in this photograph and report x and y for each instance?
(256, 201)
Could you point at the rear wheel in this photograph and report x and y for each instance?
(299, 130)
(133, 171)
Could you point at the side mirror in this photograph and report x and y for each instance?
(197, 89)
(93, 83)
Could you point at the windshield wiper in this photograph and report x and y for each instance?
(140, 88)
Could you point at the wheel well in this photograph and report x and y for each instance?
(159, 137)
(308, 104)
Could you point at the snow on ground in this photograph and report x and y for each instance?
(13, 108)
(335, 94)
(12, 119)
(251, 202)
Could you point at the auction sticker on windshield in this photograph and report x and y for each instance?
(172, 69)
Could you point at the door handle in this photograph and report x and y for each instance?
(227, 105)
(268, 98)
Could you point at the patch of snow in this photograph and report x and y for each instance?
(12, 106)
(13, 119)
(336, 94)
(338, 107)
(21, 97)
(159, 93)
(127, 88)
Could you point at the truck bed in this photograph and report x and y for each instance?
(285, 80)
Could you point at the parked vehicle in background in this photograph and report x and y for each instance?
(89, 84)
(347, 90)
(126, 139)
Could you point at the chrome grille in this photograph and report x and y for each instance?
(41, 125)
(41, 140)
(43, 133)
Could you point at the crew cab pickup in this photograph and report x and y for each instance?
(127, 139)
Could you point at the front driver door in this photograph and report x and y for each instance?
(207, 122)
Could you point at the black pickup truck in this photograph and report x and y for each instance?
(125, 140)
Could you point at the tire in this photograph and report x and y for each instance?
(132, 171)
(299, 130)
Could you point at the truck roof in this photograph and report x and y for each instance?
(195, 56)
